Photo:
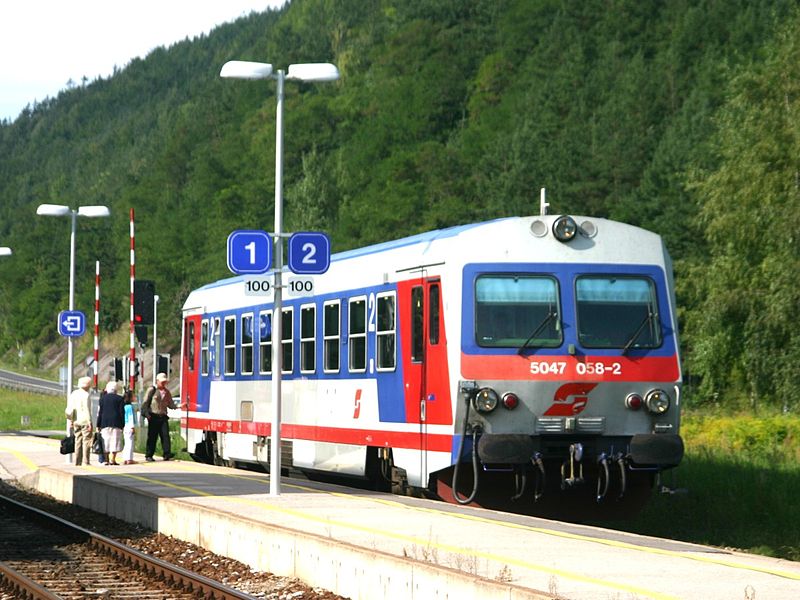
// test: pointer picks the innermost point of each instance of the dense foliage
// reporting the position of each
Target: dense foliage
(681, 117)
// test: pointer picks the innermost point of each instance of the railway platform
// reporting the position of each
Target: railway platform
(370, 545)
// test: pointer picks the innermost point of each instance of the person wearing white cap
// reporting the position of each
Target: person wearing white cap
(156, 402)
(79, 412)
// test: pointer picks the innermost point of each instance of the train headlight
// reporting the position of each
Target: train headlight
(657, 401)
(564, 228)
(486, 400)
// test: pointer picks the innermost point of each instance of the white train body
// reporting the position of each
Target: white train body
(498, 336)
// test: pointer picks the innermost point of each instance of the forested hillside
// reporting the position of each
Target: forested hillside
(682, 117)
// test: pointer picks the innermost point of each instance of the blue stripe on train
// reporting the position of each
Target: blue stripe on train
(391, 406)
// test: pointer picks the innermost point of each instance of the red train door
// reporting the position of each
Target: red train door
(428, 393)
(190, 355)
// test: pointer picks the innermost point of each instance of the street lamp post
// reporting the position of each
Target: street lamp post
(155, 338)
(308, 72)
(58, 210)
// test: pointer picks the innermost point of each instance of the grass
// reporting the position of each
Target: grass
(741, 476)
(741, 473)
(40, 411)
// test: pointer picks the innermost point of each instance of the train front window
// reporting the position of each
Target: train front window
(515, 311)
(617, 312)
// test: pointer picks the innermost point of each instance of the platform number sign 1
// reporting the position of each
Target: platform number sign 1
(249, 252)
(309, 253)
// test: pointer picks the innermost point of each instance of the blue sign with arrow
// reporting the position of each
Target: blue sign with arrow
(71, 323)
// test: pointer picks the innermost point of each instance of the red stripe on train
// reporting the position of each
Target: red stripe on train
(333, 435)
(567, 368)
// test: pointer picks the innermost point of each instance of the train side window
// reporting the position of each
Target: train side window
(204, 340)
(287, 340)
(417, 323)
(216, 338)
(190, 345)
(230, 345)
(246, 346)
(265, 342)
(386, 333)
(332, 327)
(357, 334)
(433, 325)
(308, 343)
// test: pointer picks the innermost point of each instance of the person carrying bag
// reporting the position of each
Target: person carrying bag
(79, 416)
(154, 408)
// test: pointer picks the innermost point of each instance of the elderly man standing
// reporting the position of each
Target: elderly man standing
(79, 412)
(156, 402)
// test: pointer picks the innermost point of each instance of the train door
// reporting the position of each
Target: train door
(429, 372)
(190, 354)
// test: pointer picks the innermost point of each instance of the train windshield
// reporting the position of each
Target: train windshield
(517, 311)
(617, 312)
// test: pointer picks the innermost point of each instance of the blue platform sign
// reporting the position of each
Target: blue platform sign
(71, 323)
(249, 252)
(309, 253)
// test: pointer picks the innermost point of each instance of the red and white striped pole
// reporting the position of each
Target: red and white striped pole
(96, 320)
(132, 379)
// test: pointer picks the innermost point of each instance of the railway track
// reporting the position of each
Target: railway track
(44, 556)
(230, 572)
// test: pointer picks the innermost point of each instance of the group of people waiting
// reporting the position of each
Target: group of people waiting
(116, 421)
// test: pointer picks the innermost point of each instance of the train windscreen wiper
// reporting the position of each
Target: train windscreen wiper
(648, 318)
(548, 317)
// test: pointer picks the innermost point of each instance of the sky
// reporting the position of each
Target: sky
(46, 43)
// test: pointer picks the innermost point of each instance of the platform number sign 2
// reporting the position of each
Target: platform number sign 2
(249, 252)
(309, 253)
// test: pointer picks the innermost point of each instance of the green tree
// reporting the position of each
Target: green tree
(748, 344)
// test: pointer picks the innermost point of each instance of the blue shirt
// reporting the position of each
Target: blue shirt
(130, 420)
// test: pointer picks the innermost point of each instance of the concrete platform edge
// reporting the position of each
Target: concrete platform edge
(345, 569)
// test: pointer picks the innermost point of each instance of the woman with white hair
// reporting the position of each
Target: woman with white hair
(111, 420)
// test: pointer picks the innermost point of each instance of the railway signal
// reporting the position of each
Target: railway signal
(143, 299)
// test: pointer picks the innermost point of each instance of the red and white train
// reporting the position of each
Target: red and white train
(528, 364)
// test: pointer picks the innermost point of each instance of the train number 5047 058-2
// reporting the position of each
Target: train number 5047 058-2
(580, 368)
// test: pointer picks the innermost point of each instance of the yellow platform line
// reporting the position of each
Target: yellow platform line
(20, 457)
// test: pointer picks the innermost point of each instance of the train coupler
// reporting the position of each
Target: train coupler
(575, 476)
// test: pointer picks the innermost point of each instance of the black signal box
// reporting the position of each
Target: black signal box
(144, 292)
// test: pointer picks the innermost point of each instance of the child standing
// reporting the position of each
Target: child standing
(129, 430)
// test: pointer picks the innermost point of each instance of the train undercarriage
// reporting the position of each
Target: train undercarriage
(565, 479)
